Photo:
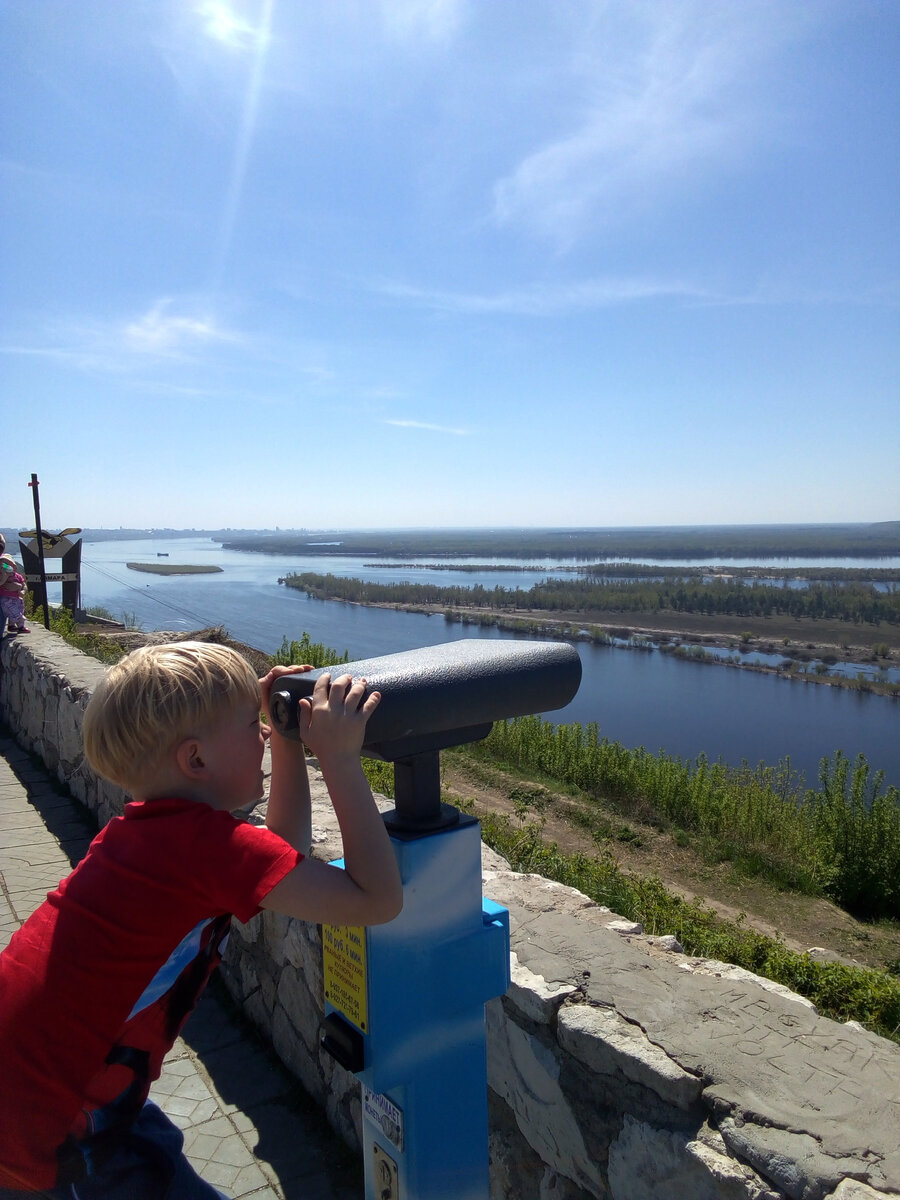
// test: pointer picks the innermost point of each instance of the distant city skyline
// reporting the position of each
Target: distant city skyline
(439, 263)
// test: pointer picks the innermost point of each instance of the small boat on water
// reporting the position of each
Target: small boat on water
(162, 554)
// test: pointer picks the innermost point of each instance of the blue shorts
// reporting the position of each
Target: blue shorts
(150, 1166)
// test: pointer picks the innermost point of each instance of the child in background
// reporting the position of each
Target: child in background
(12, 594)
(96, 985)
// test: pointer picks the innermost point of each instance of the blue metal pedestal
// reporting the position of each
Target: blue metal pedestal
(427, 976)
(405, 1001)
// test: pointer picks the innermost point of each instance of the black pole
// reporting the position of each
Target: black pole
(40, 542)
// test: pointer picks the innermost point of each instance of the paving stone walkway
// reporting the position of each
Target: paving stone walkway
(249, 1127)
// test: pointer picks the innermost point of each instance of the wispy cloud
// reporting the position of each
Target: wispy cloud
(162, 331)
(166, 333)
(550, 299)
(402, 424)
(667, 97)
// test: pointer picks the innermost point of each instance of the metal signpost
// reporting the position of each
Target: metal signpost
(405, 1001)
(35, 546)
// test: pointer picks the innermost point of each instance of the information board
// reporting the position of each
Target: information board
(344, 963)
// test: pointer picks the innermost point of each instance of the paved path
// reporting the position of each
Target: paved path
(249, 1127)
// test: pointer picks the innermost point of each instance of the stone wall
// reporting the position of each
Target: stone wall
(618, 1066)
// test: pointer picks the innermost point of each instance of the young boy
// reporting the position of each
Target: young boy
(96, 985)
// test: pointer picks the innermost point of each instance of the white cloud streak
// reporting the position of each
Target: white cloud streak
(655, 117)
(161, 335)
(402, 424)
(164, 333)
(551, 299)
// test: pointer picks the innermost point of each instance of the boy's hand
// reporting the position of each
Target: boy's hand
(265, 684)
(333, 720)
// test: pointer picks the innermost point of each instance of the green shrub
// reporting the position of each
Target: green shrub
(317, 654)
(842, 841)
(380, 775)
(856, 830)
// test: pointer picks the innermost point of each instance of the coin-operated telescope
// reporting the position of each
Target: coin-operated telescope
(405, 1001)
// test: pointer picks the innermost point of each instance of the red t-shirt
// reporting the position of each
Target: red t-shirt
(96, 985)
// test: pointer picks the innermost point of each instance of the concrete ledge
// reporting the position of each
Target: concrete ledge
(617, 1066)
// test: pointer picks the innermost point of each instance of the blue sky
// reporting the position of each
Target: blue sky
(360, 263)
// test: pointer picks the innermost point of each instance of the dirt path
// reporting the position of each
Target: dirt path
(802, 922)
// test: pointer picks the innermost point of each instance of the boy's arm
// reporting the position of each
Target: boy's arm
(289, 811)
(368, 891)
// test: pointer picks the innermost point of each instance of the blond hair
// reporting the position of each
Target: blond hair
(157, 696)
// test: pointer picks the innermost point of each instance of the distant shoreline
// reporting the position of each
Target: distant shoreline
(674, 633)
(591, 545)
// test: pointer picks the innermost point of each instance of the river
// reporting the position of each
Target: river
(636, 697)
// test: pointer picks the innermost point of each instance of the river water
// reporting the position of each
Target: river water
(639, 698)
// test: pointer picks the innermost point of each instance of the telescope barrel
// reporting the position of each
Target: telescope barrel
(443, 695)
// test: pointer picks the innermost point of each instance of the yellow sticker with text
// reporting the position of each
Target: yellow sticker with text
(344, 963)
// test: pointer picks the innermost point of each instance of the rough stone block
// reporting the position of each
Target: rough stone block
(794, 1160)
(274, 930)
(853, 1189)
(606, 1043)
(268, 987)
(626, 928)
(71, 744)
(728, 971)
(296, 1001)
(249, 977)
(343, 1106)
(531, 996)
(296, 1055)
(524, 1072)
(303, 949)
(255, 1008)
(646, 1163)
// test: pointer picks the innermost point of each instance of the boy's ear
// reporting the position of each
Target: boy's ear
(189, 758)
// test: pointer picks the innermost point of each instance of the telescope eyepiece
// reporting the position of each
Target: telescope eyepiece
(283, 709)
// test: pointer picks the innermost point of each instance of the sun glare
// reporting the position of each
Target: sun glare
(223, 25)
